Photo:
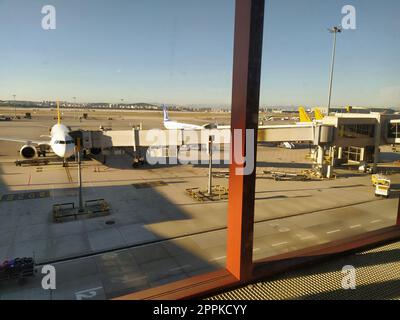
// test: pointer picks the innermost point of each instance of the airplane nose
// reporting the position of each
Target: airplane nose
(66, 152)
(69, 151)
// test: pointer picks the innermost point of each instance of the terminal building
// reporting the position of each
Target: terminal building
(357, 137)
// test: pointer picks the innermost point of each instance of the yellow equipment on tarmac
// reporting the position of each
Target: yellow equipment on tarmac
(381, 184)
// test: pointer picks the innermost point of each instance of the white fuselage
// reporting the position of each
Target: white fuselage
(173, 125)
(61, 142)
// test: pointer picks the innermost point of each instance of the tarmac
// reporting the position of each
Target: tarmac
(155, 233)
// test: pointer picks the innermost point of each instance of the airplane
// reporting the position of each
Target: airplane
(318, 114)
(61, 143)
(173, 125)
(305, 118)
(303, 115)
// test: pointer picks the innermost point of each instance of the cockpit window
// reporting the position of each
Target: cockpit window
(63, 142)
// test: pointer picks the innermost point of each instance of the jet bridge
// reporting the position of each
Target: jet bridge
(338, 135)
(165, 143)
(136, 138)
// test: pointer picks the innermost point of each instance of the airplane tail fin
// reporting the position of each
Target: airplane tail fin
(303, 115)
(318, 115)
(165, 113)
(58, 113)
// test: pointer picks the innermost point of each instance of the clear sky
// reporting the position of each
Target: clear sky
(180, 51)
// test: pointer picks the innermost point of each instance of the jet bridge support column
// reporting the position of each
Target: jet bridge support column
(323, 137)
(377, 142)
(320, 156)
(210, 160)
(340, 153)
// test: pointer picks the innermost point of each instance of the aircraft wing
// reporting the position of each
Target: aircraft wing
(27, 141)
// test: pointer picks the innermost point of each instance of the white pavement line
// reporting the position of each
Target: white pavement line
(306, 238)
(355, 226)
(87, 294)
(333, 231)
(218, 258)
(376, 221)
(279, 244)
(179, 268)
(97, 288)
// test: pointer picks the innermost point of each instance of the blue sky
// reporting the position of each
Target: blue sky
(180, 51)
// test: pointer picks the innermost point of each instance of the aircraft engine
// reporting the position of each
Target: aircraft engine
(28, 151)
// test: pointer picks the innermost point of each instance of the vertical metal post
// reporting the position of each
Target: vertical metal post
(377, 142)
(331, 75)
(334, 30)
(15, 107)
(78, 149)
(74, 108)
(249, 23)
(210, 159)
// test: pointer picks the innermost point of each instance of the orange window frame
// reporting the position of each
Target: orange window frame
(240, 268)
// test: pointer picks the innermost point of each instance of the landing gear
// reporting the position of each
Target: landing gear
(65, 163)
(137, 162)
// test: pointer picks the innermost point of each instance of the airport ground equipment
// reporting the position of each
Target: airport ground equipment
(363, 167)
(221, 174)
(289, 176)
(303, 175)
(32, 162)
(218, 192)
(381, 184)
(382, 188)
(63, 212)
(18, 268)
(5, 118)
(376, 177)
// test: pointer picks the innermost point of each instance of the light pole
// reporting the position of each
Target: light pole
(210, 154)
(333, 30)
(78, 153)
(15, 107)
(74, 107)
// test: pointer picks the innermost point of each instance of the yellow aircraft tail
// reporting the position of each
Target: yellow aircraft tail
(318, 114)
(58, 113)
(303, 115)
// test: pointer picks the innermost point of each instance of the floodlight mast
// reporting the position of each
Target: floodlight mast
(333, 30)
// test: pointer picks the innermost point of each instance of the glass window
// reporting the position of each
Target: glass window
(393, 131)
(356, 130)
